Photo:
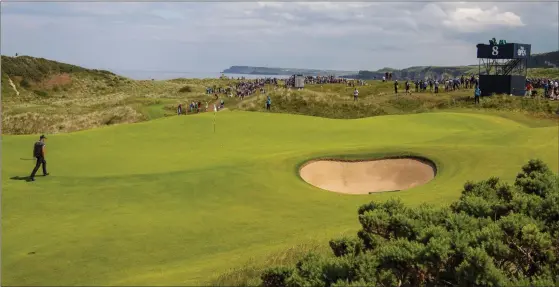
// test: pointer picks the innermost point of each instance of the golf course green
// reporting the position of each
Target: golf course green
(170, 202)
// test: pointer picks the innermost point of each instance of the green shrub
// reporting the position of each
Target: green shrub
(346, 246)
(112, 119)
(308, 272)
(40, 93)
(276, 277)
(25, 84)
(185, 89)
(336, 269)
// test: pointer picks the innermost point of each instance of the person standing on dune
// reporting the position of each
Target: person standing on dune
(477, 94)
(407, 86)
(39, 154)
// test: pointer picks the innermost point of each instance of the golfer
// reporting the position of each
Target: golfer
(39, 154)
(355, 95)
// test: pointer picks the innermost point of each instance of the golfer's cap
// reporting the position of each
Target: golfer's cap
(43, 137)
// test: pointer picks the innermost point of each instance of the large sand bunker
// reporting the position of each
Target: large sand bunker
(363, 177)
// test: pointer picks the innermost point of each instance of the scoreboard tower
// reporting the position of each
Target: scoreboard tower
(503, 68)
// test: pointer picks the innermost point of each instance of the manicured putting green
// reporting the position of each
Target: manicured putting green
(168, 202)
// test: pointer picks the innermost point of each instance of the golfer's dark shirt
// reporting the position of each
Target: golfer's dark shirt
(38, 149)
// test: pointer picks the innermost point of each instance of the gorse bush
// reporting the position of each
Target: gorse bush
(185, 89)
(276, 276)
(25, 84)
(345, 246)
(496, 234)
(40, 93)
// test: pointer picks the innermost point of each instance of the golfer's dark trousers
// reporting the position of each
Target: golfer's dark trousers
(40, 161)
(476, 99)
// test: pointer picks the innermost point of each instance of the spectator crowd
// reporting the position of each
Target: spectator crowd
(550, 87)
(320, 80)
(246, 87)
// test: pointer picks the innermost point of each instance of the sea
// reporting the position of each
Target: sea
(168, 75)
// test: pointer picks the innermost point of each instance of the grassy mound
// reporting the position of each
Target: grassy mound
(336, 101)
(52, 97)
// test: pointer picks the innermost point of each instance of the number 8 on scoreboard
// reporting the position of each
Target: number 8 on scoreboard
(495, 51)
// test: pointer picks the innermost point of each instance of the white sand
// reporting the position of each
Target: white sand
(362, 177)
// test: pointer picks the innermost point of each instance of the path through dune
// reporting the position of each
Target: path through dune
(13, 86)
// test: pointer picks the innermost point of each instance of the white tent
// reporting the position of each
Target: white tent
(299, 81)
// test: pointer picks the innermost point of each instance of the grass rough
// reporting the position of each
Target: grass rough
(51, 92)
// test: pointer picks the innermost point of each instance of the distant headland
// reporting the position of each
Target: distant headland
(248, 70)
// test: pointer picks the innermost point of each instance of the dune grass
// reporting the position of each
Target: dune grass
(86, 99)
(377, 98)
(544, 73)
(168, 202)
(55, 97)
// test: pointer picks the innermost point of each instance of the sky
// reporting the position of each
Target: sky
(205, 37)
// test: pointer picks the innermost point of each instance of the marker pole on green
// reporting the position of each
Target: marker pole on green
(215, 111)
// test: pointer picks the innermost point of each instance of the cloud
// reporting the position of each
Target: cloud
(210, 36)
(271, 4)
(459, 18)
(476, 19)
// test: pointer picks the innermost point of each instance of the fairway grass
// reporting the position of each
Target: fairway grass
(170, 202)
